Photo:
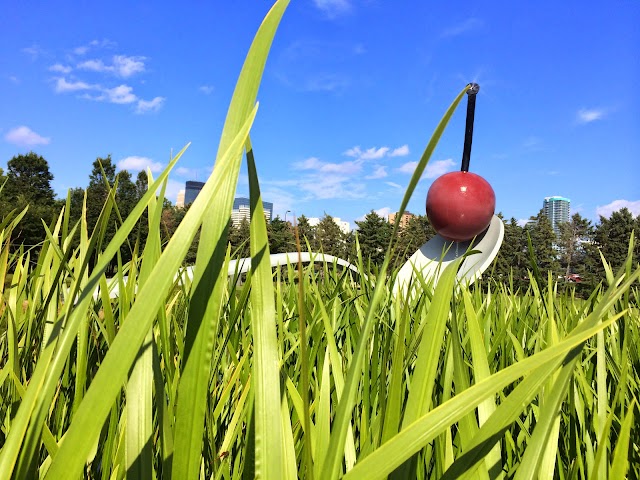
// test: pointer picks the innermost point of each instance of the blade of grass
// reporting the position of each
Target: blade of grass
(209, 279)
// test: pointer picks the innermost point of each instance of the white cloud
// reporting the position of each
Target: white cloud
(135, 164)
(173, 187)
(439, 167)
(434, 168)
(522, 222)
(185, 172)
(586, 115)
(383, 212)
(333, 8)
(402, 151)
(326, 186)
(607, 210)
(379, 172)
(394, 185)
(408, 167)
(145, 106)
(122, 94)
(14, 79)
(314, 163)
(122, 66)
(62, 86)
(58, 67)
(24, 136)
(206, 89)
(467, 25)
(372, 153)
(83, 49)
(326, 82)
(34, 51)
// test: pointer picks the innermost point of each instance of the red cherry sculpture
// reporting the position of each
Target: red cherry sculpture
(460, 205)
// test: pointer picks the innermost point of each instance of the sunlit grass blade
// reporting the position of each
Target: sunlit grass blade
(412, 438)
(333, 461)
(89, 418)
(209, 279)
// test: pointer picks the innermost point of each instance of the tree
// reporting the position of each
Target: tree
(416, 233)
(101, 180)
(306, 233)
(573, 234)
(28, 175)
(281, 239)
(239, 238)
(374, 234)
(329, 237)
(543, 239)
(612, 237)
(28, 184)
(512, 260)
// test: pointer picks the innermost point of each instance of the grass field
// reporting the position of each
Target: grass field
(303, 372)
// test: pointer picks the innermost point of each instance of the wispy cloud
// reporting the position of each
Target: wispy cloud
(135, 163)
(383, 212)
(402, 151)
(588, 115)
(121, 94)
(372, 153)
(438, 167)
(94, 44)
(313, 163)
(434, 168)
(324, 187)
(379, 172)
(606, 210)
(58, 67)
(206, 89)
(34, 51)
(121, 65)
(185, 172)
(64, 86)
(333, 8)
(394, 185)
(326, 82)
(461, 28)
(148, 106)
(25, 137)
(376, 153)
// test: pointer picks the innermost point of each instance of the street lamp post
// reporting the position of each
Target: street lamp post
(285, 215)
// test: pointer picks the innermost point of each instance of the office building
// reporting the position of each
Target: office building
(191, 191)
(242, 210)
(556, 209)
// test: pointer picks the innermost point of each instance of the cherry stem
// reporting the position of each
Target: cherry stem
(473, 89)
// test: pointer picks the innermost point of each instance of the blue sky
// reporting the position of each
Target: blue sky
(350, 96)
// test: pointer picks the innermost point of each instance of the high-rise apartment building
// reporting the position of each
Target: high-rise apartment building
(180, 199)
(556, 209)
(242, 210)
(192, 189)
(404, 219)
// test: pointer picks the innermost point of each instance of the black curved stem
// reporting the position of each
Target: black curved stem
(473, 90)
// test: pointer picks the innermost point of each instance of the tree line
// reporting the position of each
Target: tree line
(575, 254)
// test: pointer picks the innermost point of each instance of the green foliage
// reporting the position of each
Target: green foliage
(374, 234)
(303, 373)
(281, 237)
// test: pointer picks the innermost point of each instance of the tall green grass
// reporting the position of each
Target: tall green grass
(299, 372)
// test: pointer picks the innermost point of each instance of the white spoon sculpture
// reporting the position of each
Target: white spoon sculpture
(458, 215)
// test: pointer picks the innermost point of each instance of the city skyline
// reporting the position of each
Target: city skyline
(350, 95)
